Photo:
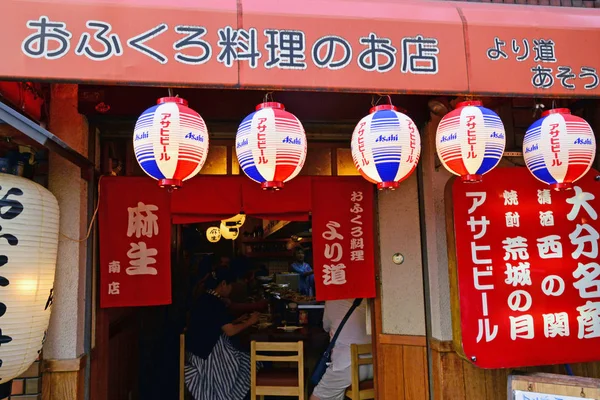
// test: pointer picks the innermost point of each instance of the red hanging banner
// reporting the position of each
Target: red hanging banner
(135, 243)
(343, 246)
(528, 278)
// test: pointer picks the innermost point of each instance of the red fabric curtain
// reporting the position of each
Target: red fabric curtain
(292, 203)
(207, 198)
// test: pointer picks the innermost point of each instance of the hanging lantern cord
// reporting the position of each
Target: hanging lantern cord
(92, 221)
(538, 108)
(170, 92)
(267, 95)
(375, 103)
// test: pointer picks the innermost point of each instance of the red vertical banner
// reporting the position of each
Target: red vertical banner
(527, 270)
(135, 243)
(343, 245)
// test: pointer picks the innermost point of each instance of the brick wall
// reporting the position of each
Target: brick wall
(29, 385)
(554, 3)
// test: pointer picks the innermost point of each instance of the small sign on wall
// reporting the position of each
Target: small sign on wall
(521, 395)
(543, 386)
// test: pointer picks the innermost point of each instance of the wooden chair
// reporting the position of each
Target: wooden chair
(365, 389)
(278, 381)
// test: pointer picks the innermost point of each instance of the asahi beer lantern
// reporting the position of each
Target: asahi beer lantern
(170, 142)
(271, 145)
(559, 148)
(470, 140)
(28, 248)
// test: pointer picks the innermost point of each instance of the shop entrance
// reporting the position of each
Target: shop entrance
(137, 350)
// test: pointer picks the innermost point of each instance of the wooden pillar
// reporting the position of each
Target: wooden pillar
(64, 355)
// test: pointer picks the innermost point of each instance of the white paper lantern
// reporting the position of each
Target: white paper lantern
(236, 220)
(170, 142)
(213, 234)
(28, 247)
(386, 146)
(229, 232)
(470, 140)
(271, 145)
(559, 148)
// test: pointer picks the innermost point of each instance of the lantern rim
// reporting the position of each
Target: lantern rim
(270, 104)
(466, 103)
(170, 183)
(471, 178)
(561, 186)
(383, 107)
(272, 185)
(171, 99)
(391, 185)
(556, 111)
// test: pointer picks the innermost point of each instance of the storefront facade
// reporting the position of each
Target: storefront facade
(450, 49)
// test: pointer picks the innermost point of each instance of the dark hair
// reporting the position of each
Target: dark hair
(220, 275)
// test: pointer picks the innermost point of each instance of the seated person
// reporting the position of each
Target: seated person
(338, 376)
(215, 369)
(306, 285)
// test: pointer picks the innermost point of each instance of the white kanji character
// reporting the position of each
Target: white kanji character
(142, 220)
(484, 328)
(356, 197)
(357, 244)
(550, 247)
(334, 274)
(141, 258)
(589, 320)
(512, 219)
(521, 327)
(478, 200)
(511, 198)
(548, 285)
(588, 285)
(358, 255)
(556, 324)
(544, 196)
(515, 248)
(333, 252)
(331, 233)
(483, 223)
(114, 288)
(518, 274)
(516, 299)
(546, 218)
(114, 267)
(356, 209)
(477, 273)
(475, 249)
(580, 199)
(356, 231)
(580, 240)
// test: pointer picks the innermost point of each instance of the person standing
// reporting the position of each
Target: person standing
(338, 376)
(306, 285)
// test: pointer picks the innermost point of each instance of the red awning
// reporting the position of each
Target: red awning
(375, 46)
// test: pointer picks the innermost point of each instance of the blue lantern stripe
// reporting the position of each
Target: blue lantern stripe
(544, 175)
(152, 169)
(387, 159)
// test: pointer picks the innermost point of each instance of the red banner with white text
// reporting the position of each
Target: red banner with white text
(528, 272)
(343, 245)
(135, 243)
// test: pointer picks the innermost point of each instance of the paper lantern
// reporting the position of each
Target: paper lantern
(470, 140)
(213, 234)
(28, 247)
(271, 145)
(236, 221)
(386, 146)
(170, 142)
(229, 232)
(559, 148)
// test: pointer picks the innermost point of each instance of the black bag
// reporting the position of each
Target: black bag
(326, 357)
